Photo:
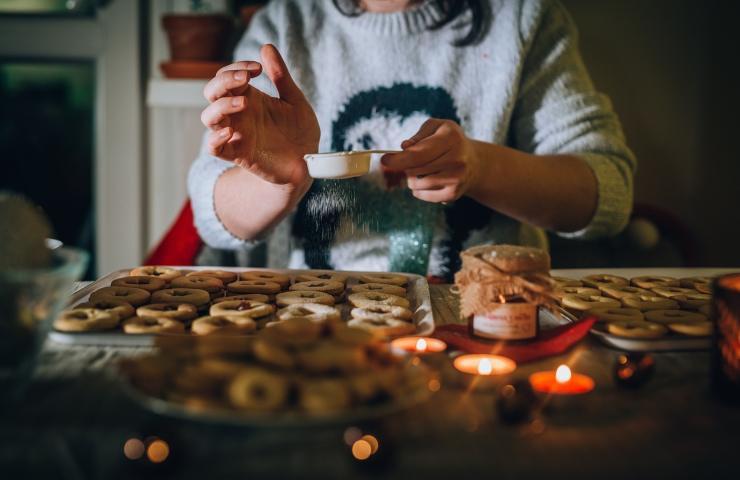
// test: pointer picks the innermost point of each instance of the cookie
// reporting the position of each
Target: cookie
(265, 276)
(303, 296)
(387, 278)
(163, 273)
(182, 312)
(241, 308)
(222, 325)
(637, 329)
(363, 300)
(378, 287)
(133, 296)
(316, 312)
(150, 284)
(152, 325)
(85, 320)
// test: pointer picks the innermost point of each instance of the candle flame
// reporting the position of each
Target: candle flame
(421, 345)
(485, 367)
(501, 299)
(562, 374)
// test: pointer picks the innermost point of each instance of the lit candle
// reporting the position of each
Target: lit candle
(482, 371)
(561, 382)
(418, 345)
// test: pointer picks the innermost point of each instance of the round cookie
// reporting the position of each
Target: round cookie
(152, 325)
(222, 325)
(164, 273)
(665, 317)
(622, 291)
(327, 286)
(249, 297)
(690, 282)
(254, 286)
(389, 278)
(703, 287)
(225, 276)
(241, 308)
(258, 389)
(382, 312)
(617, 314)
(694, 329)
(212, 285)
(322, 275)
(671, 292)
(562, 282)
(379, 287)
(293, 297)
(292, 332)
(329, 356)
(273, 353)
(652, 281)
(265, 276)
(133, 296)
(649, 302)
(602, 280)
(321, 396)
(637, 329)
(85, 320)
(512, 259)
(363, 300)
(182, 312)
(150, 284)
(192, 296)
(562, 292)
(386, 327)
(316, 312)
(122, 309)
(583, 303)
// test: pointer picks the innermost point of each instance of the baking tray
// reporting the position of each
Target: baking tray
(417, 293)
(669, 343)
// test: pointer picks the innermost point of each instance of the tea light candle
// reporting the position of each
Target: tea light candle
(483, 371)
(561, 382)
(419, 345)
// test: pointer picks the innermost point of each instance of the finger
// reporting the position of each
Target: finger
(418, 155)
(435, 181)
(280, 76)
(215, 115)
(254, 68)
(230, 82)
(217, 140)
(427, 129)
(443, 195)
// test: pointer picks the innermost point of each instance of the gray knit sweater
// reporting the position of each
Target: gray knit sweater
(373, 79)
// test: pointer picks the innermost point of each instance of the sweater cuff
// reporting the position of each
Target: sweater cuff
(202, 185)
(614, 204)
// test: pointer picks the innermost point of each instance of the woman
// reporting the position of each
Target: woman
(489, 101)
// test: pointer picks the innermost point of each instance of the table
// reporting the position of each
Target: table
(74, 421)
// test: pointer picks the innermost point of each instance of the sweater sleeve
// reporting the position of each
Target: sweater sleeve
(558, 111)
(206, 169)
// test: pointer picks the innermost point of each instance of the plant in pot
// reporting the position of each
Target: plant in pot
(198, 38)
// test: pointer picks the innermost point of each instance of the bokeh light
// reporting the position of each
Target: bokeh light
(351, 435)
(373, 442)
(434, 385)
(134, 449)
(362, 450)
(158, 451)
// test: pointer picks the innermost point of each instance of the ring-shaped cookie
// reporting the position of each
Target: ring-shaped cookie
(694, 329)
(378, 287)
(651, 281)
(241, 308)
(582, 303)
(122, 309)
(703, 287)
(387, 327)
(621, 291)
(249, 297)
(689, 282)
(562, 282)
(561, 292)
(223, 325)
(637, 329)
(363, 300)
(182, 312)
(150, 284)
(327, 286)
(332, 357)
(670, 292)
(381, 312)
(293, 297)
(693, 301)
(265, 276)
(254, 286)
(164, 273)
(389, 278)
(649, 302)
(603, 279)
(322, 275)
(212, 285)
(225, 276)
(296, 331)
(192, 296)
(258, 390)
(85, 320)
(272, 353)
(152, 325)
(664, 317)
(316, 312)
(134, 296)
(617, 314)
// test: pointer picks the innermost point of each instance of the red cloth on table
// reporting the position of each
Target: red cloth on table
(549, 343)
(180, 245)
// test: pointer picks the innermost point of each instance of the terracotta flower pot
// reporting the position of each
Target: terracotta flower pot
(198, 37)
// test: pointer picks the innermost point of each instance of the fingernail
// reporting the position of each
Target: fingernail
(236, 102)
(253, 67)
(224, 134)
(240, 76)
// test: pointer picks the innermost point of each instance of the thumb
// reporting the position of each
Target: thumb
(278, 73)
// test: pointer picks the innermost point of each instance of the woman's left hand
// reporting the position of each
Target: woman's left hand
(439, 161)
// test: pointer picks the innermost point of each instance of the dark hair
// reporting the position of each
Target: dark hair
(480, 15)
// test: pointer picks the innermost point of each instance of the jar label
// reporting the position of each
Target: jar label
(507, 321)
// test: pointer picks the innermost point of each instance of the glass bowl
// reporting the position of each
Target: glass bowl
(29, 301)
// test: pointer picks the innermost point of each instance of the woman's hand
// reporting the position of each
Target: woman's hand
(439, 161)
(266, 136)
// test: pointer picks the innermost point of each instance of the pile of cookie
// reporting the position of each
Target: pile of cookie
(641, 307)
(296, 366)
(159, 300)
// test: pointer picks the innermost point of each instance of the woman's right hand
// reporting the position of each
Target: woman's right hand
(266, 136)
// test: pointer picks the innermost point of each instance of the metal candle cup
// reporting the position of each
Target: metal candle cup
(431, 350)
(565, 391)
(483, 371)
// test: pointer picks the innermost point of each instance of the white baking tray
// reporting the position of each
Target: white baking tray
(669, 343)
(417, 294)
